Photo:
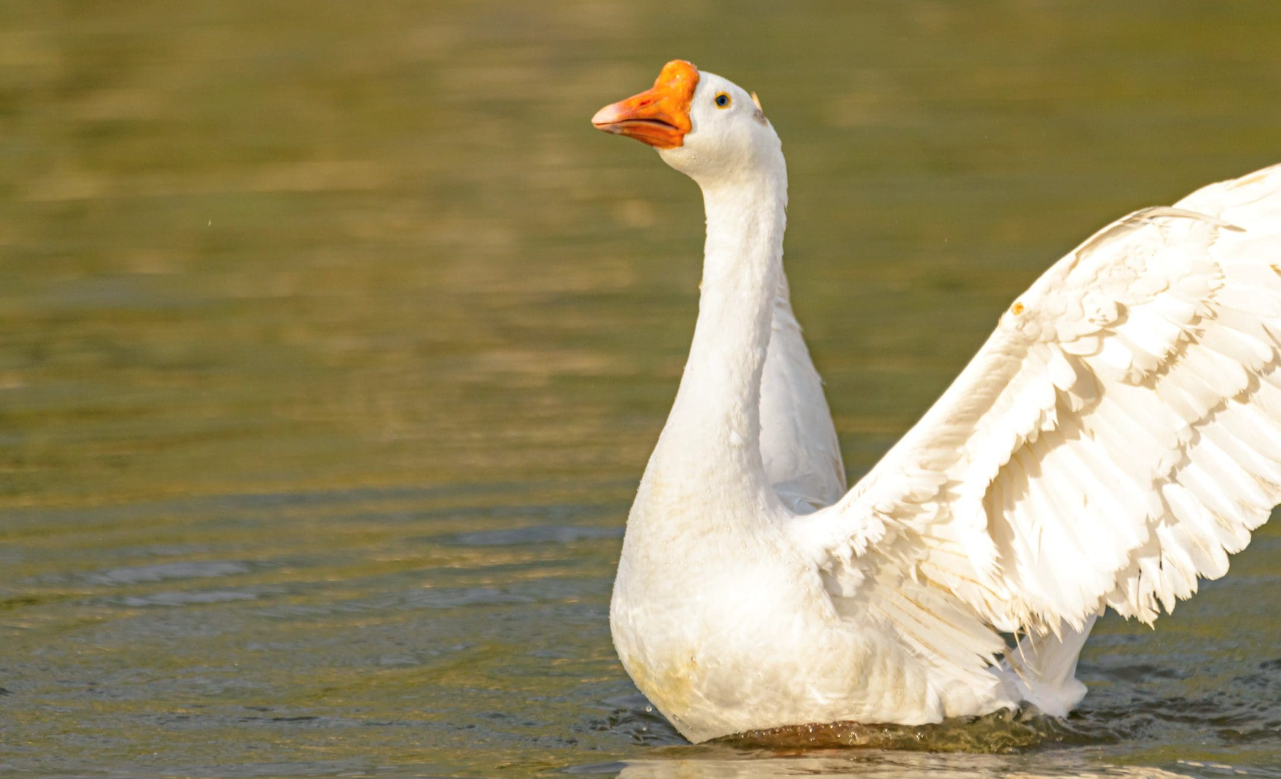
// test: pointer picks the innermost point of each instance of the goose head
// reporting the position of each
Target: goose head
(703, 125)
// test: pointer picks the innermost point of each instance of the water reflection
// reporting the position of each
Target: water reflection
(880, 766)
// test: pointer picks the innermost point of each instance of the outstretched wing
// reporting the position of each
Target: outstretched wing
(798, 442)
(1113, 441)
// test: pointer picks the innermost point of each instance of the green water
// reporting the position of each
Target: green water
(333, 342)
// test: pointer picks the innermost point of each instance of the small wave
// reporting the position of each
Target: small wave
(160, 572)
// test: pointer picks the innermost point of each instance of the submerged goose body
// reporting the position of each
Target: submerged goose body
(1114, 440)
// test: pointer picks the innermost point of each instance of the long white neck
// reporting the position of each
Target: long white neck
(712, 438)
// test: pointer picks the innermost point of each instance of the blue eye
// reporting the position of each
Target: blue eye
(722, 100)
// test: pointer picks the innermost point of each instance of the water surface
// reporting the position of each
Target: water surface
(333, 342)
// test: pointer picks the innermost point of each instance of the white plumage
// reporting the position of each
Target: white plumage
(1117, 437)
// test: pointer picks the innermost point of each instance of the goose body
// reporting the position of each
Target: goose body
(1114, 440)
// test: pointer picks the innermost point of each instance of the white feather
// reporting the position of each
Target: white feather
(1187, 409)
(1116, 438)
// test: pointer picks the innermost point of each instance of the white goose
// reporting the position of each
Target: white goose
(1113, 441)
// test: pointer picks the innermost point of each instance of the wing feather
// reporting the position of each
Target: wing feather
(1116, 438)
(799, 449)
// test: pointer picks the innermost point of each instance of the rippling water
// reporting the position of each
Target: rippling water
(333, 342)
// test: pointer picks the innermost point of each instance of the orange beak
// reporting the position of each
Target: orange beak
(658, 117)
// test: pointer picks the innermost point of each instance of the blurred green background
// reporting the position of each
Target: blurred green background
(333, 341)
